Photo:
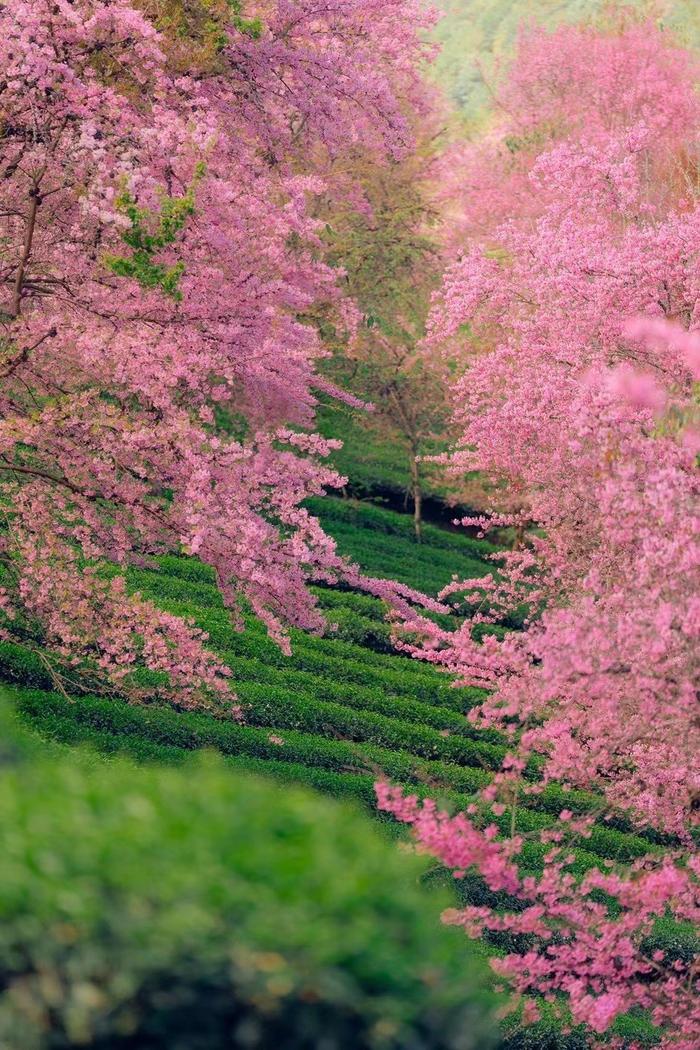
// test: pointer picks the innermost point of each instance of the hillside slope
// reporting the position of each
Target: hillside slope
(475, 34)
(338, 713)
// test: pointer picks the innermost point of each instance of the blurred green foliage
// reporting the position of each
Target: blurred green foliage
(196, 909)
(476, 37)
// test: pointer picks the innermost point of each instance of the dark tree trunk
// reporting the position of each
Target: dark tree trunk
(417, 494)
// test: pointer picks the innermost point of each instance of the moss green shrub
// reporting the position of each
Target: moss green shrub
(198, 909)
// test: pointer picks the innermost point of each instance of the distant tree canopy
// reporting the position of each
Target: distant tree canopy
(386, 242)
(477, 37)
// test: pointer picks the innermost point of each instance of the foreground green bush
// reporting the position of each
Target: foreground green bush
(195, 909)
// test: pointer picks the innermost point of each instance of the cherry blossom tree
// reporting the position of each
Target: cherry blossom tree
(158, 254)
(575, 300)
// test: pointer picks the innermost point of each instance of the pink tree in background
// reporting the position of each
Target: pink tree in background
(157, 255)
(576, 297)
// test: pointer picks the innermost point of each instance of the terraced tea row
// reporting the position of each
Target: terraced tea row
(81, 717)
(341, 711)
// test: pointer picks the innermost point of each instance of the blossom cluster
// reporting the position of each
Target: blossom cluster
(573, 298)
(159, 256)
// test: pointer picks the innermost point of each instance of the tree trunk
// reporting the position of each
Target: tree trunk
(417, 495)
(34, 202)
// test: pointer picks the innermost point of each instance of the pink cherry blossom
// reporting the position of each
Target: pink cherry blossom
(159, 258)
(572, 300)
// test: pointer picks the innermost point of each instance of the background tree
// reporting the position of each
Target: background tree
(385, 242)
(476, 39)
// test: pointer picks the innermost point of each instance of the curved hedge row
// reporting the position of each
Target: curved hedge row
(345, 707)
(134, 915)
(271, 742)
(335, 660)
(366, 516)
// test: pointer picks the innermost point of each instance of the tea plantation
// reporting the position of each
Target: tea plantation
(341, 711)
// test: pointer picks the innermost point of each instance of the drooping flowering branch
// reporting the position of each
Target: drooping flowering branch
(587, 941)
(157, 256)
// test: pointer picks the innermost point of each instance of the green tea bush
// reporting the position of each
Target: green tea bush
(350, 626)
(308, 656)
(196, 909)
(189, 731)
(421, 566)
(280, 707)
(140, 727)
(372, 699)
(158, 585)
(378, 519)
